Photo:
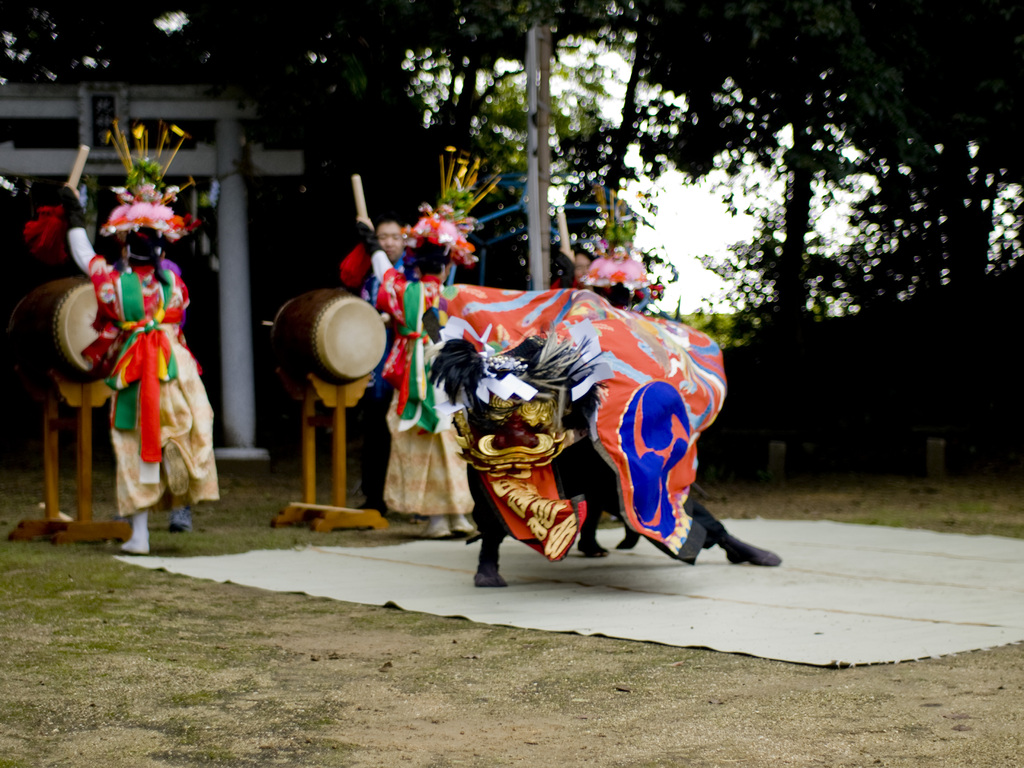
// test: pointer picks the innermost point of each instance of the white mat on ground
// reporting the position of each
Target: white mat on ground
(845, 594)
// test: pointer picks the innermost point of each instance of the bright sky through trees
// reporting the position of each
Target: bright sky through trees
(691, 221)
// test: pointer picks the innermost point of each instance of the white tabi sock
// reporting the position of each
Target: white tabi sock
(138, 544)
(437, 528)
(459, 524)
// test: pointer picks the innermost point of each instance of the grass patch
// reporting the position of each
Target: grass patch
(193, 698)
(105, 663)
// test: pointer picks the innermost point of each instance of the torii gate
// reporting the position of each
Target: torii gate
(94, 105)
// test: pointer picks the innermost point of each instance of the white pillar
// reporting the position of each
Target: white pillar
(238, 395)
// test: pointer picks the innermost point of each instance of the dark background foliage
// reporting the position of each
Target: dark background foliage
(854, 350)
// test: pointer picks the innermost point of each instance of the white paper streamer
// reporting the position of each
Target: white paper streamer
(506, 387)
(585, 339)
(457, 328)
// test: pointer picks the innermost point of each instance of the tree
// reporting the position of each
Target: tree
(820, 92)
(869, 93)
(945, 216)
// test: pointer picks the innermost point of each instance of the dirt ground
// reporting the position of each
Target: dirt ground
(107, 664)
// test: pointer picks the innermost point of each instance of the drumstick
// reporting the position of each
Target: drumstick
(357, 193)
(76, 170)
(563, 233)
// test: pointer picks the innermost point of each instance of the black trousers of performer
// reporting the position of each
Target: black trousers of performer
(583, 472)
(376, 450)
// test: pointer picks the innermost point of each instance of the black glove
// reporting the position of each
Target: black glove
(73, 208)
(563, 268)
(368, 238)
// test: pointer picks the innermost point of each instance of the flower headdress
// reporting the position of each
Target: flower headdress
(449, 224)
(145, 197)
(618, 261)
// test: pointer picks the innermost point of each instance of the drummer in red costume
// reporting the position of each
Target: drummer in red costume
(161, 419)
(425, 475)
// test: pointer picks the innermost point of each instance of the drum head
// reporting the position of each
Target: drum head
(51, 326)
(73, 325)
(350, 338)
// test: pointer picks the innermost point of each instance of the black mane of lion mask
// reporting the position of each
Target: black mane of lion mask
(551, 365)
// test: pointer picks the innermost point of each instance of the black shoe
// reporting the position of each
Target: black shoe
(741, 552)
(592, 549)
(629, 540)
(181, 520)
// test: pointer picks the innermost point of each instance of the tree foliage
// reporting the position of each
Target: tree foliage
(913, 103)
(833, 94)
(909, 108)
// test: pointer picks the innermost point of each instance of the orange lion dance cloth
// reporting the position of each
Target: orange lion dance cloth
(529, 372)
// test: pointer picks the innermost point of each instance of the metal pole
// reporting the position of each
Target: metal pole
(533, 202)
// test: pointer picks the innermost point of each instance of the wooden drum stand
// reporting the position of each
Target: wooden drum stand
(323, 517)
(83, 397)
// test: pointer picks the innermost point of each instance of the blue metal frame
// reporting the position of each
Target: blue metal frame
(518, 182)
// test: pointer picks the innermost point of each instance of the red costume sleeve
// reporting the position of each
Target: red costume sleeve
(184, 292)
(354, 267)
